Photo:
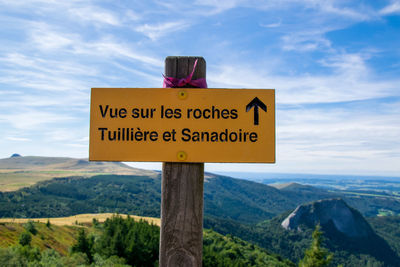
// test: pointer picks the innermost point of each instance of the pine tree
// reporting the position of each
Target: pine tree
(25, 238)
(84, 244)
(316, 256)
(48, 224)
(30, 227)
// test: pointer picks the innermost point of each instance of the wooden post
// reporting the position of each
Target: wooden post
(181, 236)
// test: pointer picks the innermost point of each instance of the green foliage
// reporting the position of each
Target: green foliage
(19, 256)
(126, 242)
(48, 258)
(84, 244)
(388, 228)
(270, 235)
(69, 196)
(224, 197)
(95, 222)
(112, 261)
(316, 256)
(221, 251)
(30, 227)
(135, 241)
(11, 257)
(48, 224)
(25, 238)
(31, 257)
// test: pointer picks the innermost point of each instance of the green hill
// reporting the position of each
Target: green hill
(120, 240)
(224, 197)
(17, 171)
(379, 247)
(232, 206)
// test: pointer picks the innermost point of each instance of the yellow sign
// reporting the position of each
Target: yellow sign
(182, 125)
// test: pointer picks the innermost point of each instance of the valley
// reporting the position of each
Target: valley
(237, 208)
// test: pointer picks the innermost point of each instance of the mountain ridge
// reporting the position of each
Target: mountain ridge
(334, 211)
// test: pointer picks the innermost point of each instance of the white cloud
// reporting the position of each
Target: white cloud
(347, 79)
(76, 137)
(305, 41)
(95, 15)
(18, 139)
(272, 25)
(156, 31)
(110, 48)
(393, 8)
(50, 66)
(219, 5)
(344, 135)
(30, 119)
(46, 38)
(359, 13)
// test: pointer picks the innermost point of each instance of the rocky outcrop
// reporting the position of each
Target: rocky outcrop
(329, 213)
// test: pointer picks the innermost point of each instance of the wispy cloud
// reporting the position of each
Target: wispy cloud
(220, 5)
(272, 25)
(305, 41)
(156, 31)
(349, 79)
(28, 119)
(108, 47)
(44, 38)
(18, 139)
(95, 15)
(392, 8)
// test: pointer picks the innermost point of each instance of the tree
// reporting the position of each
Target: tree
(316, 256)
(25, 239)
(30, 227)
(84, 245)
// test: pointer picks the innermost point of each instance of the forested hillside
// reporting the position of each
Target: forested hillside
(381, 249)
(224, 197)
(119, 242)
(232, 206)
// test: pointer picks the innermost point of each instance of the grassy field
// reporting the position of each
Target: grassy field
(61, 234)
(80, 219)
(59, 238)
(14, 180)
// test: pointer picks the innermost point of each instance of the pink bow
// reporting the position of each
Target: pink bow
(170, 82)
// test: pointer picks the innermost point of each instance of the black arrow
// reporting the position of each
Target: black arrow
(256, 103)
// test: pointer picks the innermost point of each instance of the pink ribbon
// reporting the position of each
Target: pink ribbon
(170, 82)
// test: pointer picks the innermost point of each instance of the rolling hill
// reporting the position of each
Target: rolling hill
(218, 250)
(17, 171)
(249, 210)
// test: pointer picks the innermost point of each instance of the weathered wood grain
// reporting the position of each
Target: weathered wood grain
(181, 237)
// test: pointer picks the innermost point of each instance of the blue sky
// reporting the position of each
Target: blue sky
(335, 66)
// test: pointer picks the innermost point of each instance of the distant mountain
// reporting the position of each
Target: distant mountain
(17, 172)
(332, 214)
(355, 244)
(345, 229)
(34, 163)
